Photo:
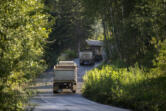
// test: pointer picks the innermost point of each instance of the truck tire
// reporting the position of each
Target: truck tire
(55, 91)
(74, 88)
(92, 63)
(81, 63)
(74, 91)
(55, 88)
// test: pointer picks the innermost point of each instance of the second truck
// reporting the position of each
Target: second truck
(86, 57)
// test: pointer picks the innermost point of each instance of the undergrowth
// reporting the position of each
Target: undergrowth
(134, 88)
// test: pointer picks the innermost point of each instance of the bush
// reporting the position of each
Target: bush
(24, 28)
(68, 55)
(132, 88)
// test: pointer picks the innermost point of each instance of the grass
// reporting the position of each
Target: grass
(132, 88)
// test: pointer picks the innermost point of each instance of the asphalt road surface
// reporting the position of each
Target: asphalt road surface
(66, 101)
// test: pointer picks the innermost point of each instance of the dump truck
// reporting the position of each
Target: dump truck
(86, 57)
(65, 76)
(98, 54)
(97, 47)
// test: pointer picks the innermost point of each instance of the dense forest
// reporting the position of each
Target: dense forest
(71, 29)
(134, 75)
(35, 33)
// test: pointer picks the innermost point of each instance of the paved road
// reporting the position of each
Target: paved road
(66, 101)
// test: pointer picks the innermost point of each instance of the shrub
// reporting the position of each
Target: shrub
(68, 55)
(132, 88)
(24, 28)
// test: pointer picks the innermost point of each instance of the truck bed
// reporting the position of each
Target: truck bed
(64, 75)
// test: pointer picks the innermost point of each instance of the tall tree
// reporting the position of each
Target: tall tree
(71, 29)
(23, 31)
(129, 27)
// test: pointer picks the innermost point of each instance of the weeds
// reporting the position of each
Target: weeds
(133, 88)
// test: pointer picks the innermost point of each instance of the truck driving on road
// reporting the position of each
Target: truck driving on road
(65, 76)
(86, 57)
(97, 48)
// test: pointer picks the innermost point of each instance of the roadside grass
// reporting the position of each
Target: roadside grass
(133, 88)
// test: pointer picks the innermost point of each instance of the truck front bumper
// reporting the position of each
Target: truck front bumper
(64, 85)
(86, 62)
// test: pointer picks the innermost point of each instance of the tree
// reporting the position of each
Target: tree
(23, 31)
(129, 27)
(71, 29)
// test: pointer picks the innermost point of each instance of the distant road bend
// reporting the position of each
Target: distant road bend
(67, 101)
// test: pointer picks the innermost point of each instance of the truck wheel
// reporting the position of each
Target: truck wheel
(92, 63)
(74, 91)
(55, 88)
(74, 88)
(81, 63)
(55, 91)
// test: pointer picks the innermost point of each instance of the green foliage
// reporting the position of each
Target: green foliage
(67, 55)
(70, 54)
(71, 29)
(98, 30)
(23, 31)
(132, 88)
(132, 24)
(134, 33)
(160, 61)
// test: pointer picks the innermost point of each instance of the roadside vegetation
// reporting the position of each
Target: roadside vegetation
(134, 72)
(67, 55)
(132, 87)
(24, 27)
(35, 33)
(70, 30)
(135, 87)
